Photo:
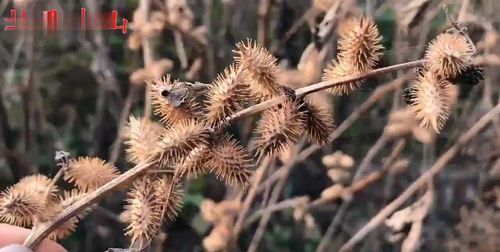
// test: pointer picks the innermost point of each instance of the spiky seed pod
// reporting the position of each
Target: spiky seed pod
(279, 127)
(90, 173)
(448, 55)
(172, 100)
(180, 140)
(144, 212)
(141, 137)
(68, 227)
(19, 207)
(432, 101)
(319, 123)
(37, 184)
(470, 77)
(230, 162)
(227, 95)
(171, 196)
(335, 71)
(194, 164)
(409, 95)
(260, 69)
(360, 45)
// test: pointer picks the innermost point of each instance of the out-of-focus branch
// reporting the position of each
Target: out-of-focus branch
(326, 26)
(337, 219)
(438, 166)
(355, 187)
(181, 52)
(259, 175)
(263, 11)
(104, 76)
(116, 146)
(19, 165)
(276, 193)
(209, 50)
(148, 55)
(7, 133)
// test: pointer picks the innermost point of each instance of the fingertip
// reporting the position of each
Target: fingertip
(14, 235)
(15, 248)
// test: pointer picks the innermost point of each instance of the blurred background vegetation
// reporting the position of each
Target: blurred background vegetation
(69, 91)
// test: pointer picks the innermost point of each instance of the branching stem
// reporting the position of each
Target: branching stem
(44, 230)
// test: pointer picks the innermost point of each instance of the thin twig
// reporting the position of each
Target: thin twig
(438, 166)
(55, 179)
(260, 173)
(115, 147)
(179, 47)
(355, 187)
(209, 50)
(104, 75)
(337, 219)
(263, 11)
(259, 233)
(324, 85)
(288, 203)
(148, 55)
(325, 29)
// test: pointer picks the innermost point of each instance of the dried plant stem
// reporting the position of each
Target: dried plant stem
(259, 233)
(324, 85)
(266, 216)
(263, 12)
(372, 73)
(39, 234)
(209, 54)
(260, 173)
(181, 52)
(148, 56)
(337, 219)
(438, 166)
(54, 180)
(355, 187)
(369, 179)
(115, 147)
(285, 204)
(105, 77)
(326, 26)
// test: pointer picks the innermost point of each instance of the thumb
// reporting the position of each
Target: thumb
(15, 248)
